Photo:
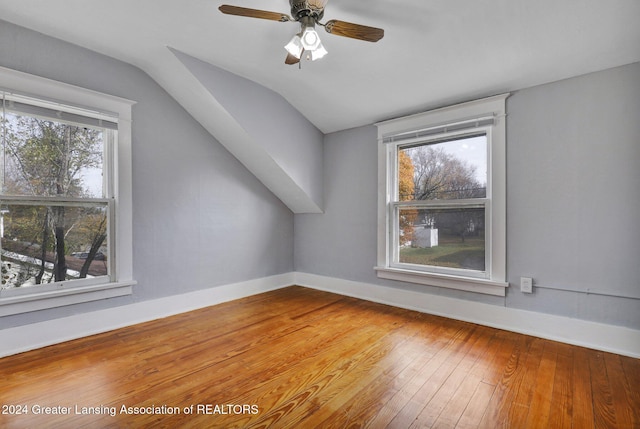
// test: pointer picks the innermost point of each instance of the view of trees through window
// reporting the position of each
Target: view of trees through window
(444, 227)
(53, 215)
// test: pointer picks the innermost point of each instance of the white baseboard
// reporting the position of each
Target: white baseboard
(614, 339)
(36, 335)
(599, 336)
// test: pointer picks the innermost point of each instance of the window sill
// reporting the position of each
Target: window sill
(490, 287)
(59, 298)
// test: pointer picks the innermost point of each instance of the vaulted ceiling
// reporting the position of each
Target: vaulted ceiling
(433, 52)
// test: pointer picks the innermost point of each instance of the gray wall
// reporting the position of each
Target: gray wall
(200, 219)
(573, 195)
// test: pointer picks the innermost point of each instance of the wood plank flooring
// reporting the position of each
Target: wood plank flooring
(301, 358)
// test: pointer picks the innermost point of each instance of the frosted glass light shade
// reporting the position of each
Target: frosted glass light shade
(310, 39)
(318, 53)
(294, 47)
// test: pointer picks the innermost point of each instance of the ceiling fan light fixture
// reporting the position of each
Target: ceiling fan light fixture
(307, 41)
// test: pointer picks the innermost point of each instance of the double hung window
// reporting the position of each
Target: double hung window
(442, 191)
(61, 196)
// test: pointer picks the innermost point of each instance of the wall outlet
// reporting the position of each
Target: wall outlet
(526, 284)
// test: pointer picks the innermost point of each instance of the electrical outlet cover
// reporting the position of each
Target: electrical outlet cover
(526, 284)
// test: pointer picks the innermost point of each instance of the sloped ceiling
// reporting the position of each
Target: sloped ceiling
(248, 120)
(433, 53)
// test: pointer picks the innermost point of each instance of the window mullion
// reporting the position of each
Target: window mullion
(475, 202)
(46, 200)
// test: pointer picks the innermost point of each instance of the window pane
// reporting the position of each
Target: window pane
(48, 158)
(43, 244)
(444, 170)
(451, 238)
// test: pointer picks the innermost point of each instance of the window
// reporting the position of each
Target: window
(441, 215)
(65, 209)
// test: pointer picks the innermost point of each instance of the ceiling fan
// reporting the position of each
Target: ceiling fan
(308, 13)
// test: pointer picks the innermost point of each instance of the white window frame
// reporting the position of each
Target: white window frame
(480, 116)
(120, 282)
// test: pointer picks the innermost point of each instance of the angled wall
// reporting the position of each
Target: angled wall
(261, 129)
(275, 126)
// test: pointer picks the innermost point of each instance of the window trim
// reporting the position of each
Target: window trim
(429, 126)
(12, 81)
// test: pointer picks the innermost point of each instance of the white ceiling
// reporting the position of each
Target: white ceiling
(434, 52)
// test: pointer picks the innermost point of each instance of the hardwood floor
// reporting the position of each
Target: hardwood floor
(301, 358)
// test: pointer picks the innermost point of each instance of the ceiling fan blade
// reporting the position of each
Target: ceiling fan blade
(291, 60)
(254, 13)
(355, 31)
